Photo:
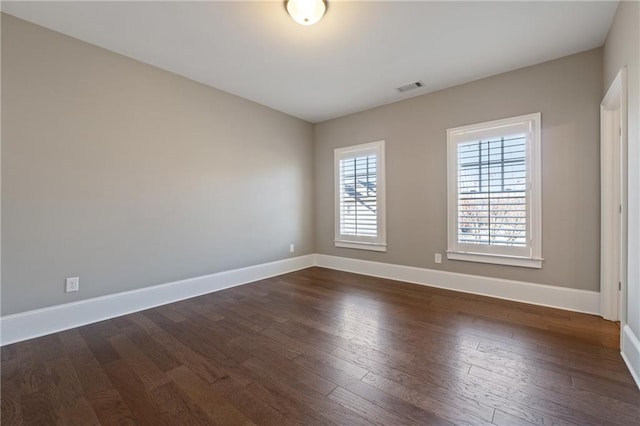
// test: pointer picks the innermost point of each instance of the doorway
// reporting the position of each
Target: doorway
(613, 253)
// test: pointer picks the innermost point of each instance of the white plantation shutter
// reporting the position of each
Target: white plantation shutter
(492, 198)
(494, 192)
(360, 196)
(358, 201)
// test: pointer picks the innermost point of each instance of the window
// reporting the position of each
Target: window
(494, 192)
(359, 197)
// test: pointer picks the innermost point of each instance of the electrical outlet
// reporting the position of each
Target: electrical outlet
(292, 248)
(438, 258)
(73, 284)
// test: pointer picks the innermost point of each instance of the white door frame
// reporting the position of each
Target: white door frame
(613, 201)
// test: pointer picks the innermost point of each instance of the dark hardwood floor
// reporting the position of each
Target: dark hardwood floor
(326, 347)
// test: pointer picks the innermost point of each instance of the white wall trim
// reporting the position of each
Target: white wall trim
(631, 353)
(529, 256)
(519, 291)
(27, 325)
(613, 203)
(361, 242)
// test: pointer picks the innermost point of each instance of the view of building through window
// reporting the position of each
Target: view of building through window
(492, 204)
(358, 206)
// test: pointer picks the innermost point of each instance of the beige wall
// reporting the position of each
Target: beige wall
(566, 91)
(621, 49)
(129, 176)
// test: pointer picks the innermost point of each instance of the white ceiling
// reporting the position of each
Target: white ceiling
(352, 60)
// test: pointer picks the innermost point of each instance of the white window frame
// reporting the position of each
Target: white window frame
(529, 256)
(378, 243)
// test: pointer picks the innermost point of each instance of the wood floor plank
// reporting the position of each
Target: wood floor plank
(309, 350)
(449, 383)
(89, 372)
(73, 341)
(446, 388)
(339, 334)
(11, 408)
(243, 317)
(136, 396)
(208, 371)
(604, 368)
(249, 404)
(190, 338)
(79, 413)
(366, 409)
(291, 409)
(605, 386)
(37, 409)
(452, 413)
(391, 403)
(299, 339)
(110, 408)
(181, 409)
(49, 347)
(160, 357)
(287, 366)
(323, 406)
(257, 338)
(600, 407)
(32, 371)
(206, 311)
(67, 393)
(98, 344)
(533, 376)
(150, 375)
(8, 353)
(209, 400)
(324, 347)
(500, 418)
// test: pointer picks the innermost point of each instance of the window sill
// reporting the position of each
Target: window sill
(525, 262)
(361, 245)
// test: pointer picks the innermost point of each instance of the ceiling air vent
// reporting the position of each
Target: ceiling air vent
(410, 86)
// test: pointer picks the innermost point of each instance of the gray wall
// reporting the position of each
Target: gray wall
(566, 91)
(621, 49)
(130, 176)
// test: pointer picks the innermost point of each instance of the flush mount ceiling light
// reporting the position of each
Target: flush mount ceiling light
(306, 12)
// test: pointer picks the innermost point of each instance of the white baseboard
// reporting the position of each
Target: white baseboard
(39, 322)
(27, 325)
(631, 352)
(519, 291)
